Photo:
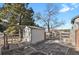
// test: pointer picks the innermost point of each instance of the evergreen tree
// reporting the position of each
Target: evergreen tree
(17, 14)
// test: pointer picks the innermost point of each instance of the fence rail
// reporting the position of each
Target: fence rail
(11, 39)
(1, 39)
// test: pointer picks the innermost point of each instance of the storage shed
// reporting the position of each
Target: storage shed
(33, 34)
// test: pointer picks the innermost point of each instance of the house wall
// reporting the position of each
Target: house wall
(37, 35)
(74, 32)
(76, 23)
(77, 39)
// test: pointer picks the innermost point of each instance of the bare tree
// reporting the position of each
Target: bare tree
(49, 18)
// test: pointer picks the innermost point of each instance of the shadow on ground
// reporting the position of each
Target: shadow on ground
(47, 47)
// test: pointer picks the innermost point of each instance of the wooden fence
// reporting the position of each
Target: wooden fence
(9, 39)
(1, 39)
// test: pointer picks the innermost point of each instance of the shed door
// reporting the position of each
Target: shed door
(77, 38)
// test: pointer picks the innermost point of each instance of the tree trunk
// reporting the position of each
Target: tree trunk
(20, 33)
(20, 29)
(49, 23)
(48, 28)
(6, 46)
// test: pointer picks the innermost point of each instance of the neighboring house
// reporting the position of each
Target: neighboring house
(33, 34)
(75, 32)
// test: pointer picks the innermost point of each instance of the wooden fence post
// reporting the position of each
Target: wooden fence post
(4, 41)
(6, 46)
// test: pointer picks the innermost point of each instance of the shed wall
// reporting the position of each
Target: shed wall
(37, 35)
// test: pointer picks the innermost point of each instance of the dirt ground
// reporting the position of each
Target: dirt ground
(47, 47)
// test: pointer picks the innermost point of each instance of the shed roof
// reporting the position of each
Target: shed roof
(34, 27)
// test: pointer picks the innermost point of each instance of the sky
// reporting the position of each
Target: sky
(67, 11)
